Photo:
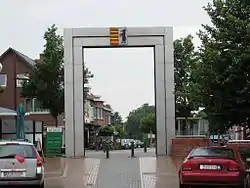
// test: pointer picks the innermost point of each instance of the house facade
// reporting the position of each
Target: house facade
(16, 69)
(97, 115)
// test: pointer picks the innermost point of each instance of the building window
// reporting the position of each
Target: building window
(95, 112)
(3, 80)
(20, 79)
(99, 113)
(109, 119)
(36, 106)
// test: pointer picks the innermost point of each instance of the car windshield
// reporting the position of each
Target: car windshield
(213, 152)
(26, 151)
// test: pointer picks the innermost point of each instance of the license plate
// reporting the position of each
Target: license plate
(13, 174)
(210, 167)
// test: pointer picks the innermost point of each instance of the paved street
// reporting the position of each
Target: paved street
(119, 171)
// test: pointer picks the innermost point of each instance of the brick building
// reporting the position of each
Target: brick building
(16, 68)
(97, 114)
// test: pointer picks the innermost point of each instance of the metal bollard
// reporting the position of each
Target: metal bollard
(132, 149)
(107, 150)
(145, 146)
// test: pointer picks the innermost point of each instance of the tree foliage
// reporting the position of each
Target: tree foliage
(87, 74)
(119, 129)
(46, 80)
(47, 77)
(148, 123)
(185, 60)
(116, 119)
(132, 125)
(224, 66)
(107, 129)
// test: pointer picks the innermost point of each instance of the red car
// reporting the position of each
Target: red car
(214, 166)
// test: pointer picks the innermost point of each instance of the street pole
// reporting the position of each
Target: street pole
(84, 96)
(132, 149)
(15, 82)
(85, 92)
(15, 93)
(84, 121)
(107, 150)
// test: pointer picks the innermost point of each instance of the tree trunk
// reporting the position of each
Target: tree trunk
(56, 121)
(219, 140)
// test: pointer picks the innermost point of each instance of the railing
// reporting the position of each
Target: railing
(191, 132)
(35, 107)
(39, 110)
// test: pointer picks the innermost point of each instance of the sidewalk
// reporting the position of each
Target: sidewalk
(143, 171)
(54, 167)
(119, 171)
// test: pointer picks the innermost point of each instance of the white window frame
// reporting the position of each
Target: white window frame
(101, 113)
(109, 119)
(95, 112)
(19, 83)
(20, 77)
(5, 84)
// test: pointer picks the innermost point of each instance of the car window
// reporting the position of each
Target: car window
(26, 151)
(213, 152)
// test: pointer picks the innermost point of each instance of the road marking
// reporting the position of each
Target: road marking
(65, 171)
(59, 171)
(147, 172)
(91, 171)
(63, 174)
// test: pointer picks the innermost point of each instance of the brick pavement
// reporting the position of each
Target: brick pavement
(144, 171)
(119, 171)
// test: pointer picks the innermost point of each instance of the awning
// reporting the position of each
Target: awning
(7, 112)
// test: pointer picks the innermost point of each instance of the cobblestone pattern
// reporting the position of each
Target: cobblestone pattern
(158, 172)
(120, 171)
(91, 171)
(148, 171)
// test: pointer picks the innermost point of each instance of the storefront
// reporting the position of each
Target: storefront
(33, 129)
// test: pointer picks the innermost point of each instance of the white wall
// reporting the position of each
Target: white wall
(89, 113)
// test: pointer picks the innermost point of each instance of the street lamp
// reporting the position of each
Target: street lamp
(85, 91)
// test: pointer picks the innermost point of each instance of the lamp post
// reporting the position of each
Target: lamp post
(86, 90)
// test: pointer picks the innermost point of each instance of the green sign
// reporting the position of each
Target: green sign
(53, 141)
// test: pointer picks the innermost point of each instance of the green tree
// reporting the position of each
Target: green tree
(87, 75)
(119, 129)
(132, 125)
(116, 119)
(107, 129)
(185, 60)
(148, 123)
(224, 67)
(46, 80)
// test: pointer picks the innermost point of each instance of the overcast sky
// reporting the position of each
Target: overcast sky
(123, 77)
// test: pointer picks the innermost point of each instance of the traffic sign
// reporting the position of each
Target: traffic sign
(54, 129)
(118, 36)
(53, 141)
